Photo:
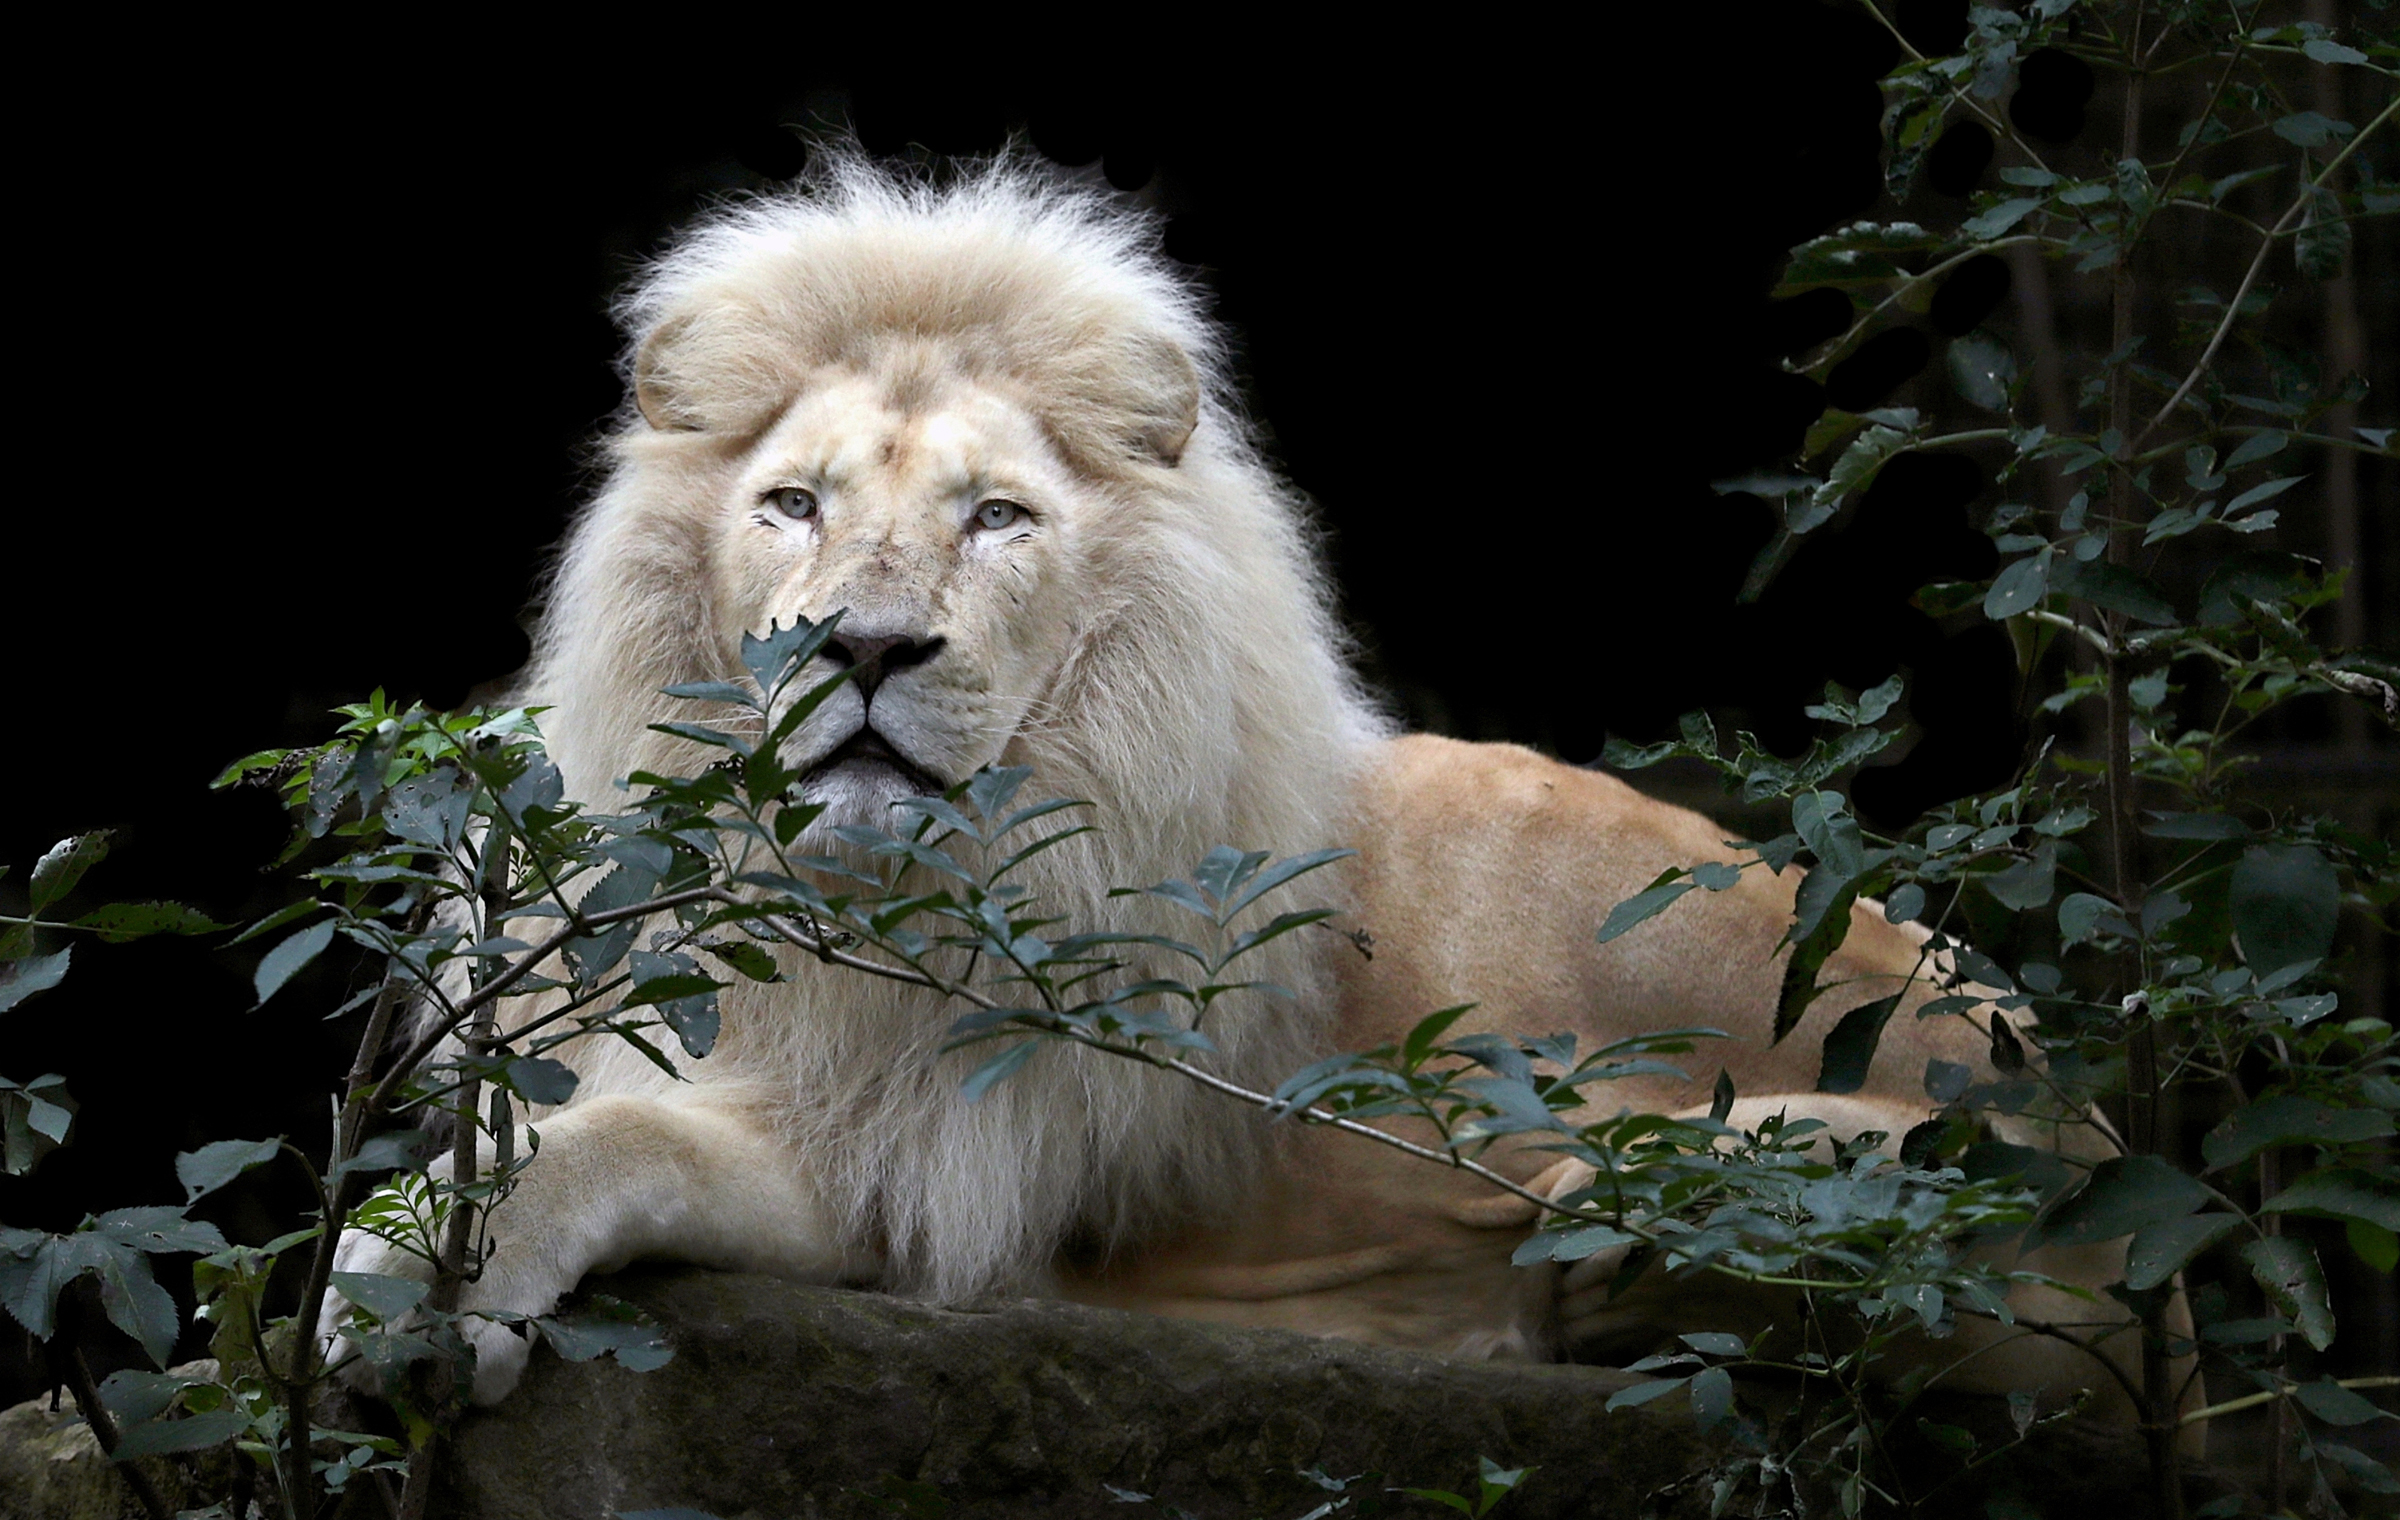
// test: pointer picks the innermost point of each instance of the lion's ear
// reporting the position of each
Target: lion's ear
(1166, 398)
(660, 392)
(1131, 396)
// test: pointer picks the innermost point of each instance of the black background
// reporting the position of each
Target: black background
(314, 353)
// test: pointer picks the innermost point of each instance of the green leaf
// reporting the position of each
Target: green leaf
(750, 960)
(2082, 914)
(714, 691)
(2256, 447)
(2335, 1405)
(1996, 222)
(1276, 873)
(62, 865)
(34, 1119)
(212, 1166)
(1712, 1396)
(2371, 1475)
(2259, 493)
(536, 1079)
(1850, 1048)
(2311, 129)
(2113, 587)
(193, 1432)
(2194, 826)
(1642, 1393)
(2377, 1247)
(671, 987)
(397, 1150)
(2326, 50)
(2120, 1196)
(260, 760)
(1983, 370)
(2286, 1270)
(21, 979)
(287, 914)
(2288, 1120)
(284, 961)
(2322, 245)
(386, 1298)
(779, 656)
(2219, 189)
(2341, 1193)
(1571, 1245)
(2029, 883)
(1858, 465)
(158, 1227)
(1823, 921)
(701, 733)
(1428, 1032)
(136, 1304)
(2285, 901)
(2162, 1249)
(607, 1326)
(119, 922)
(981, 1079)
(1643, 906)
(132, 1396)
(2018, 588)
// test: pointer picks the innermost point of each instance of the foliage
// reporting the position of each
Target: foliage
(2146, 925)
(2167, 930)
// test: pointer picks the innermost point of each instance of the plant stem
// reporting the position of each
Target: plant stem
(2253, 1400)
(2146, 1135)
(66, 1358)
(458, 1235)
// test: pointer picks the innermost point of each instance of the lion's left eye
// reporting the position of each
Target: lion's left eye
(996, 514)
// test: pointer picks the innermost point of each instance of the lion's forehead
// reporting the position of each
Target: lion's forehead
(853, 433)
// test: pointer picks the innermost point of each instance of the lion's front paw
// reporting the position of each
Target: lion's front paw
(375, 1324)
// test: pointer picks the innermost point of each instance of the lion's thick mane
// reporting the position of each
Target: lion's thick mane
(1207, 700)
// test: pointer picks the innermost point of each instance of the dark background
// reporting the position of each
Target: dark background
(314, 355)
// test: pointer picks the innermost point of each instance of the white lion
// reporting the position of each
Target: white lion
(988, 421)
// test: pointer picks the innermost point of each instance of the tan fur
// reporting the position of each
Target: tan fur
(1158, 639)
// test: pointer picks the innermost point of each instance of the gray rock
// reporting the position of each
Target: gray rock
(51, 1467)
(793, 1403)
(786, 1401)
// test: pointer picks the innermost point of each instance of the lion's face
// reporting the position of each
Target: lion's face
(930, 511)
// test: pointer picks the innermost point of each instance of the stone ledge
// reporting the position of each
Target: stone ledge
(793, 1403)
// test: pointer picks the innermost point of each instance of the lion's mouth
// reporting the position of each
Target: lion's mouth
(866, 749)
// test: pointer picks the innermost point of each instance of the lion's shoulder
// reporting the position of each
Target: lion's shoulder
(1423, 796)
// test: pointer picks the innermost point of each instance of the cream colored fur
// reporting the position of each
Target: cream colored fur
(1155, 637)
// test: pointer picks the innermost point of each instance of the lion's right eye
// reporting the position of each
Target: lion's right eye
(793, 501)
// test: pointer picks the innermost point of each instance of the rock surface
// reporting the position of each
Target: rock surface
(793, 1403)
(785, 1401)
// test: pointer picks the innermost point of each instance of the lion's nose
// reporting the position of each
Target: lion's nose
(876, 655)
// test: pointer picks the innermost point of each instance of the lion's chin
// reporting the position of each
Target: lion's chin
(861, 790)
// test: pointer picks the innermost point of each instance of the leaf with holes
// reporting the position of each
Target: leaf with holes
(2288, 1120)
(2287, 1271)
(2285, 902)
(2120, 1196)
(2162, 1249)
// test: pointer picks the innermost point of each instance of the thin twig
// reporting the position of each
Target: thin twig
(467, 1007)
(78, 1376)
(2233, 308)
(2252, 1401)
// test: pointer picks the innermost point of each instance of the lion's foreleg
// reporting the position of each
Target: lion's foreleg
(621, 1179)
